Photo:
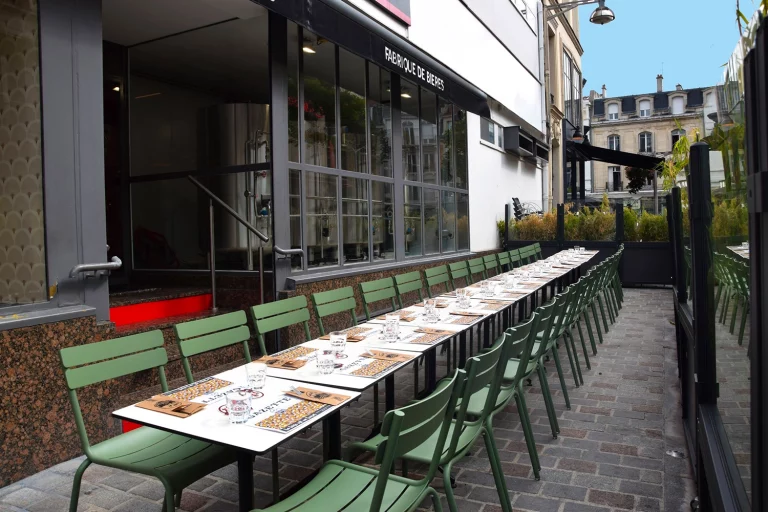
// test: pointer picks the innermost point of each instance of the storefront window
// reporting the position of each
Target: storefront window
(352, 106)
(460, 147)
(322, 219)
(294, 211)
(409, 107)
(354, 218)
(293, 92)
(446, 142)
(413, 220)
(319, 100)
(431, 222)
(383, 219)
(448, 233)
(22, 226)
(429, 136)
(380, 120)
(462, 222)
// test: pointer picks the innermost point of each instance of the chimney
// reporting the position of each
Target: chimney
(679, 87)
(605, 92)
(659, 83)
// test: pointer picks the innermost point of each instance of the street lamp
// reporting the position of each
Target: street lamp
(600, 16)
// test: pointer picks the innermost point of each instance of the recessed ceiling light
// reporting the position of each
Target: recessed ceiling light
(405, 94)
(308, 49)
(116, 88)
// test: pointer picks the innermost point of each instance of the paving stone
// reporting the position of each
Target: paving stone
(123, 481)
(577, 465)
(612, 499)
(570, 492)
(138, 505)
(24, 497)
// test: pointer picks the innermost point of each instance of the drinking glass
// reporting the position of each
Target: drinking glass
(745, 245)
(339, 343)
(430, 311)
(326, 361)
(581, 249)
(257, 377)
(391, 327)
(462, 294)
(239, 406)
(487, 288)
(511, 282)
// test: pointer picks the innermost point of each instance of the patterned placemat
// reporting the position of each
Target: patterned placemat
(464, 320)
(294, 353)
(374, 368)
(407, 316)
(294, 415)
(428, 339)
(196, 389)
(494, 307)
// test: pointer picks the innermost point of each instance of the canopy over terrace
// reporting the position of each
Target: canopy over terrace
(583, 151)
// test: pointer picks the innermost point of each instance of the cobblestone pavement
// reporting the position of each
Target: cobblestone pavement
(610, 455)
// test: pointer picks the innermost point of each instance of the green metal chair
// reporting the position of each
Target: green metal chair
(277, 315)
(207, 334)
(408, 283)
(175, 460)
(503, 261)
(481, 378)
(491, 265)
(343, 486)
(515, 259)
(459, 270)
(437, 276)
(537, 251)
(334, 302)
(476, 270)
(377, 291)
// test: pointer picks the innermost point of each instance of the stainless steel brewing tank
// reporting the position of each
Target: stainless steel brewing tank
(237, 134)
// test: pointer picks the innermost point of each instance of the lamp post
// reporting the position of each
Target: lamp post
(600, 16)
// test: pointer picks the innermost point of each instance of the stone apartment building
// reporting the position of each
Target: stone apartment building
(648, 123)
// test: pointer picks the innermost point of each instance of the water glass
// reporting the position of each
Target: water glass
(581, 249)
(511, 282)
(462, 294)
(326, 361)
(257, 375)
(745, 245)
(487, 288)
(430, 311)
(338, 343)
(239, 406)
(391, 327)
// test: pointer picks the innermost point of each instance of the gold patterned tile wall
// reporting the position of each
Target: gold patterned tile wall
(22, 227)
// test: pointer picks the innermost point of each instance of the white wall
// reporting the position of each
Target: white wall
(494, 178)
(450, 32)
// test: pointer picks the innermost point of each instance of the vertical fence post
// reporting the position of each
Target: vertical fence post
(560, 236)
(619, 238)
(703, 275)
(676, 214)
(506, 227)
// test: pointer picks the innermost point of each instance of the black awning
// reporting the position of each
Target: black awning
(346, 26)
(586, 152)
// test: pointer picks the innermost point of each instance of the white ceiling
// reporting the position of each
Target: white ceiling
(130, 22)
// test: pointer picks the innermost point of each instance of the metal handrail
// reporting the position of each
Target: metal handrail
(214, 198)
(288, 252)
(113, 264)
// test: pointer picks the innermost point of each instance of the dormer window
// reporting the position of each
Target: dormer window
(613, 112)
(678, 105)
(645, 108)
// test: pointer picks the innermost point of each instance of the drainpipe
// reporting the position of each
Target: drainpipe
(544, 75)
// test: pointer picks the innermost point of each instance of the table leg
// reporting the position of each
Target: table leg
(431, 372)
(332, 436)
(462, 349)
(275, 477)
(245, 480)
(389, 392)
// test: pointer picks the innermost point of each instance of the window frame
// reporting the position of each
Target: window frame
(617, 139)
(644, 112)
(648, 136)
(498, 133)
(397, 180)
(612, 114)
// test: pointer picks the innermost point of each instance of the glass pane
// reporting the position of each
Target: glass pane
(487, 131)
(354, 218)
(409, 106)
(446, 143)
(321, 220)
(352, 107)
(412, 214)
(429, 135)
(294, 211)
(383, 229)
(319, 101)
(431, 223)
(449, 221)
(380, 121)
(293, 92)
(22, 226)
(462, 223)
(460, 144)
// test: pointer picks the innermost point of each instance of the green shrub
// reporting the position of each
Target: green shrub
(730, 219)
(630, 225)
(535, 227)
(653, 228)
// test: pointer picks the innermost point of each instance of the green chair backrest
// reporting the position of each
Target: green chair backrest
(489, 260)
(459, 270)
(547, 319)
(537, 251)
(276, 315)
(514, 258)
(503, 262)
(333, 302)
(378, 290)
(521, 338)
(207, 334)
(407, 283)
(411, 426)
(476, 269)
(526, 255)
(89, 364)
(437, 276)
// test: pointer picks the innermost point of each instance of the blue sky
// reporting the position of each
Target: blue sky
(692, 38)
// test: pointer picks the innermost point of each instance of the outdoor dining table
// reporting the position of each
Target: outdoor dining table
(212, 424)
(740, 251)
